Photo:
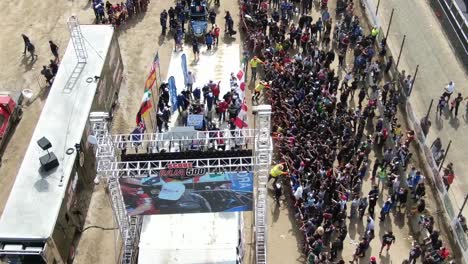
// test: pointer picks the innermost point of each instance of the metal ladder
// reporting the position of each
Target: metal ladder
(263, 150)
(77, 39)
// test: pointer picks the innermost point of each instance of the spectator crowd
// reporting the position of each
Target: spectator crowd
(335, 129)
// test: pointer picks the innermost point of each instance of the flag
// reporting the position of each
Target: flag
(241, 90)
(240, 74)
(137, 133)
(156, 61)
(144, 107)
(242, 86)
(152, 76)
(239, 122)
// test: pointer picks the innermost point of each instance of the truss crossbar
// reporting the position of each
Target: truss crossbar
(263, 150)
(139, 169)
(174, 141)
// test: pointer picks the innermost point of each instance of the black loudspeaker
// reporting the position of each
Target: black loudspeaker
(49, 161)
(44, 143)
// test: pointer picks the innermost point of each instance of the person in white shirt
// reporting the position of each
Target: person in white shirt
(190, 81)
(370, 224)
(298, 193)
(449, 89)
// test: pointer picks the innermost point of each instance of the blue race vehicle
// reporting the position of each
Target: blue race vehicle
(198, 18)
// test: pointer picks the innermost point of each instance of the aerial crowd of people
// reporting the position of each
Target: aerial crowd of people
(331, 145)
(119, 13)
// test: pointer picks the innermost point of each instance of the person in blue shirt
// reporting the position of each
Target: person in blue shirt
(163, 20)
(208, 41)
(181, 18)
(180, 102)
(197, 93)
(387, 206)
(325, 15)
(319, 25)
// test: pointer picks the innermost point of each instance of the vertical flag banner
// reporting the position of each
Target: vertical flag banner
(173, 93)
(184, 67)
(152, 76)
(242, 115)
(144, 107)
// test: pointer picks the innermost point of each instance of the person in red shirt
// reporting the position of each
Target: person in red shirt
(448, 178)
(215, 89)
(222, 107)
(444, 253)
(304, 40)
(216, 31)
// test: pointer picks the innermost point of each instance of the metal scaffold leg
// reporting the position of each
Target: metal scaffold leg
(129, 227)
(263, 150)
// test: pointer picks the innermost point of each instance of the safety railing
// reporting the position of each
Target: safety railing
(457, 20)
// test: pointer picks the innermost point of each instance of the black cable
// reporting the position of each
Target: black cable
(100, 227)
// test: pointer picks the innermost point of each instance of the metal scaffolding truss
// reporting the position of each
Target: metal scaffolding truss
(263, 151)
(176, 141)
(129, 227)
(139, 169)
(110, 168)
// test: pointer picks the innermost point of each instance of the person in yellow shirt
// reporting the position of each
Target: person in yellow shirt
(258, 90)
(279, 46)
(253, 66)
(277, 171)
(397, 133)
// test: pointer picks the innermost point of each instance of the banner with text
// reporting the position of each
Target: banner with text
(182, 189)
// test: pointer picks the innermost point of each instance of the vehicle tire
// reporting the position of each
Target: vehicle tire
(20, 115)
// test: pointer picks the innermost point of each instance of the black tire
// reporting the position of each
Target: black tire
(19, 115)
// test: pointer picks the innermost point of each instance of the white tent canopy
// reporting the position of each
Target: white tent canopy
(190, 238)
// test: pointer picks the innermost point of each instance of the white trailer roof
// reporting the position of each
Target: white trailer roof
(34, 202)
(189, 238)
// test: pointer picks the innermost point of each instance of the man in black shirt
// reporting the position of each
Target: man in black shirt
(47, 74)
(196, 49)
(373, 196)
(54, 49)
(53, 67)
(387, 240)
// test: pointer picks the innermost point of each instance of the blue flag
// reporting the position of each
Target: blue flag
(173, 93)
(184, 67)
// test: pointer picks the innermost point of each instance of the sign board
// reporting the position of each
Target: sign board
(182, 189)
(195, 121)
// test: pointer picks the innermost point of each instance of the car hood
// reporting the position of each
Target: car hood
(199, 27)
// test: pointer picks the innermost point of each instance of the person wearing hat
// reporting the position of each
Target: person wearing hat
(277, 171)
(373, 260)
(253, 66)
